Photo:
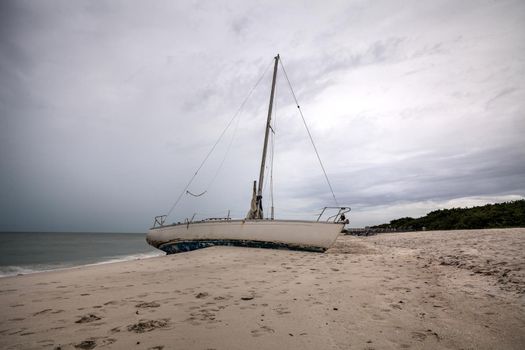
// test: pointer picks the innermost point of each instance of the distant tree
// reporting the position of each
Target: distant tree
(508, 214)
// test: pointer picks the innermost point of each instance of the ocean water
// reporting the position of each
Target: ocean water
(30, 252)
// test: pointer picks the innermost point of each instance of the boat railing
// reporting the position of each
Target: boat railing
(217, 219)
(159, 220)
(339, 217)
(189, 221)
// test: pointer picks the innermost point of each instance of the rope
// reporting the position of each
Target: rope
(217, 142)
(309, 134)
(195, 195)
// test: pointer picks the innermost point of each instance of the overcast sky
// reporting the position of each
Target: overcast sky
(108, 107)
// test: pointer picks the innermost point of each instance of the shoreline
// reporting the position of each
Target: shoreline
(415, 290)
(110, 260)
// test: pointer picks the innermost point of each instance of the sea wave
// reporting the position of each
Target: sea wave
(6, 271)
(128, 258)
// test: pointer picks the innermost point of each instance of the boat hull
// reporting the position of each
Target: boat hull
(277, 234)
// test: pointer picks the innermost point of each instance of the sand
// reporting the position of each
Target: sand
(425, 290)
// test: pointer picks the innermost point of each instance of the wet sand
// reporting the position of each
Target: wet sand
(425, 290)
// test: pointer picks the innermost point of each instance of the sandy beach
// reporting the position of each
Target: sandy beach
(418, 290)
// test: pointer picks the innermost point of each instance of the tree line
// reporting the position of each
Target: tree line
(508, 214)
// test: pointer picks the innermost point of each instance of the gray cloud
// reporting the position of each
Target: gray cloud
(429, 177)
(502, 93)
(107, 108)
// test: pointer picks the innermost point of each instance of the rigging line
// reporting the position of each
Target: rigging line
(220, 137)
(225, 154)
(308, 130)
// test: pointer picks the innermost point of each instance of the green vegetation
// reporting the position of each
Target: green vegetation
(508, 214)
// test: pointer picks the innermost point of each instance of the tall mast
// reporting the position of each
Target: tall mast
(263, 160)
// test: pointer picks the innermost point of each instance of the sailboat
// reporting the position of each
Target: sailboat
(254, 230)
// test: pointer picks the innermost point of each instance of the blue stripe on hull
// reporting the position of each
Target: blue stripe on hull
(186, 246)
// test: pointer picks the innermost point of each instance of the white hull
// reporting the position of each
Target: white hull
(302, 235)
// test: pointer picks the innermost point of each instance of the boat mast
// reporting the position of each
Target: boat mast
(263, 160)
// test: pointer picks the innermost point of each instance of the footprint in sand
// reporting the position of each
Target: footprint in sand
(46, 342)
(86, 345)
(45, 311)
(88, 318)
(282, 310)
(17, 332)
(115, 330)
(420, 336)
(262, 331)
(204, 315)
(147, 305)
(148, 325)
(106, 341)
(377, 317)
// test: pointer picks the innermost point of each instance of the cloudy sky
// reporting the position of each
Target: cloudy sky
(107, 108)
